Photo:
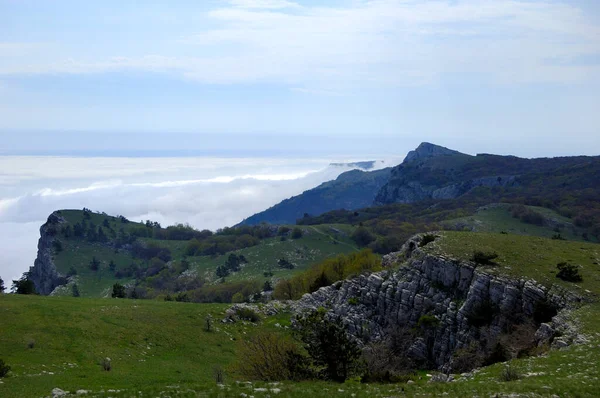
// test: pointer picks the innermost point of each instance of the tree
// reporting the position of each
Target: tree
(222, 271)
(57, 245)
(24, 285)
(112, 266)
(75, 290)
(2, 288)
(328, 344)
(67, 231)
(78, 229)
(94, 264)
(284, 263)
(233, 263)
(568, 272)
(296, 233)
(118, 291)
(238, 298)
(101, 236)
(362, 236)
(268, 286)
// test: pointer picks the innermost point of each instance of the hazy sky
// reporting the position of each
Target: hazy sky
(507, 76)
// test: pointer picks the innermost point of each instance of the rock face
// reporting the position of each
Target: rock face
(44, 274)
(429, 286)
(434, 172)
(427, 150)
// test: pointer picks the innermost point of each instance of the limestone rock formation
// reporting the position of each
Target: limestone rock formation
(456, 295)
(44, 274)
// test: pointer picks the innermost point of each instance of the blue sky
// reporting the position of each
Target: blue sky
(504, 76)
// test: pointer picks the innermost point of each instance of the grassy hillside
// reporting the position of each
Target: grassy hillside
(151, 344)
(160, 348)
(497, 217)
(526, 256)
(316, 244)
(351, 190)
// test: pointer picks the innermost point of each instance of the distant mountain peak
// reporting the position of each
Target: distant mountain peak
(427, 150)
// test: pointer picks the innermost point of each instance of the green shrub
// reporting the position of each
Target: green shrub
(353, 301)
(269, 356)
(118, 291)
(568, 272)
(483, 258)
(362, 236)
(247, 314)
(510, 373)
(428, 322)
(427, 238)
(4, 368)
(238, 298)
(106, 364)
(297, 233)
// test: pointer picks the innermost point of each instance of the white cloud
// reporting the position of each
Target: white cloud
(204, 192)
(368, 43)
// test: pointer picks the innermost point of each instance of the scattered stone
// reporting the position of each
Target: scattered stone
(57, 392)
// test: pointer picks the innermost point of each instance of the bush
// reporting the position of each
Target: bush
(24, 285)
(4, 368)
(510, 373)
(428, 322)
(327, 272)
(483, 258)
(297, 233)
(329, 346)
(219, 375)
(247, 314)
(106, 364)
(238, 298)
(568, 272)
(118, 291)
(353, 301)
(269, 356)
(362, 236)
(427, 238)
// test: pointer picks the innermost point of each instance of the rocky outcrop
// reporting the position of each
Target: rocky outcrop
(44, 274)
(414, 191)
(456, 298)
(427, 150)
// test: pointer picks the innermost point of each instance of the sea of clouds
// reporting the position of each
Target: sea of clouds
(206, 192)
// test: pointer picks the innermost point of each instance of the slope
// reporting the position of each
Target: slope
(351, 190)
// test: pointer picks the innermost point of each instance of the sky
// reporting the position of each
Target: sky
(496, 76)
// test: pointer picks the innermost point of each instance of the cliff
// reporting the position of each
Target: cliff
(44, 274)
(454, 305)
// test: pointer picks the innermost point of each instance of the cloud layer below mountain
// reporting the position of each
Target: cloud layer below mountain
(204, 192)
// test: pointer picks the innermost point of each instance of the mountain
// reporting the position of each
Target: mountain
(432, 172)
(351, 190)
